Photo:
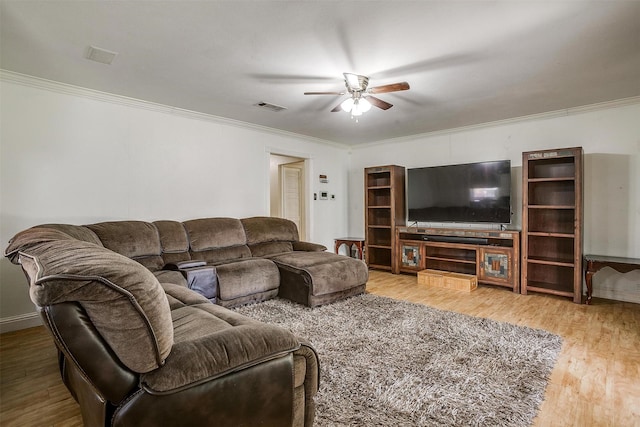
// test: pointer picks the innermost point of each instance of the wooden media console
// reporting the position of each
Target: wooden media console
(492, 255)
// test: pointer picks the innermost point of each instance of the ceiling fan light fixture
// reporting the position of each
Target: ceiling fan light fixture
(347, 104)
(364, 105)
(356, 106)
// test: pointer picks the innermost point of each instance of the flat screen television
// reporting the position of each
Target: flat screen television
(464, 193)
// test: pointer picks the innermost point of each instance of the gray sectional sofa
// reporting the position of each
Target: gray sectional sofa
(135, 309)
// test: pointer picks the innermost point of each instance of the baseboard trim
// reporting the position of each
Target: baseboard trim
(21, 321)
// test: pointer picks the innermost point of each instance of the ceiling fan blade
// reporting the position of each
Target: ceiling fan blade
(379, 102)
(393, 87)
(324, 93)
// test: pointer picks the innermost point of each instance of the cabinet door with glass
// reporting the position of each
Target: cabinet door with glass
(411, 256)
(495, 265)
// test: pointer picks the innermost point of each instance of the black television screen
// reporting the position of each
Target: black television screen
(468, 193)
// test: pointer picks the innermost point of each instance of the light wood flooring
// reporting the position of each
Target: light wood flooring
(596, 381)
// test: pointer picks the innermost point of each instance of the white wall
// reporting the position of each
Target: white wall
(611, 140)
(72, 156)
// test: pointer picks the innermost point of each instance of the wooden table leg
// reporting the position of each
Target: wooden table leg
(351, 242)
(588, 277)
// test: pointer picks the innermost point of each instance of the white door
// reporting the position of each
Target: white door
(291, 179)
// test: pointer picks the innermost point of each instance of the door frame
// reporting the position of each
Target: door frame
(307, 159)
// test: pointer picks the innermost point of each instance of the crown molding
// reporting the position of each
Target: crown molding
(64, 88)
(96, 95)
(532, 117)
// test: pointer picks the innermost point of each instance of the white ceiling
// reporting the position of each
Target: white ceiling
(468, 62)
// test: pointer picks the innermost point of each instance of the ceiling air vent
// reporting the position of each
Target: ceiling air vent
(100, 55)
(272, 107)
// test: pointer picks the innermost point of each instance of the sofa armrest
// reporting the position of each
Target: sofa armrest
(307, 379)
(308, 247)
(261, 394)
(180, 296)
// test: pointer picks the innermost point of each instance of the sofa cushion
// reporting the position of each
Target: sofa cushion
(212, 341)
(246, 277)
(214, 233)
(137, 240)
(261, 229)
(324, 271)
(76, 231)
(123, 299)
(268, 235)
(217, 240)
(174, 241)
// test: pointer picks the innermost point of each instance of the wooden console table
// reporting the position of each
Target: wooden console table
(593, 263)
(351, 241)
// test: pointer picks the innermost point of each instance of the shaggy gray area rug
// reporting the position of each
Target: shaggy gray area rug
(385, 362)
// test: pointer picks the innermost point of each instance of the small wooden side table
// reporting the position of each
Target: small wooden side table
(593, 263)
(358, 242)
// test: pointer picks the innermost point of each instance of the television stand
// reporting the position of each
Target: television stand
(491, 255)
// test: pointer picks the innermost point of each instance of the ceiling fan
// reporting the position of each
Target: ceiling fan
(361, 100)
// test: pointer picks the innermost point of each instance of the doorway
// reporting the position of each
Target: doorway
(287, 190)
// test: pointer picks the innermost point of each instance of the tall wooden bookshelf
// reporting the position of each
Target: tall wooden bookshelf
(384, 192)
(552, 222)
